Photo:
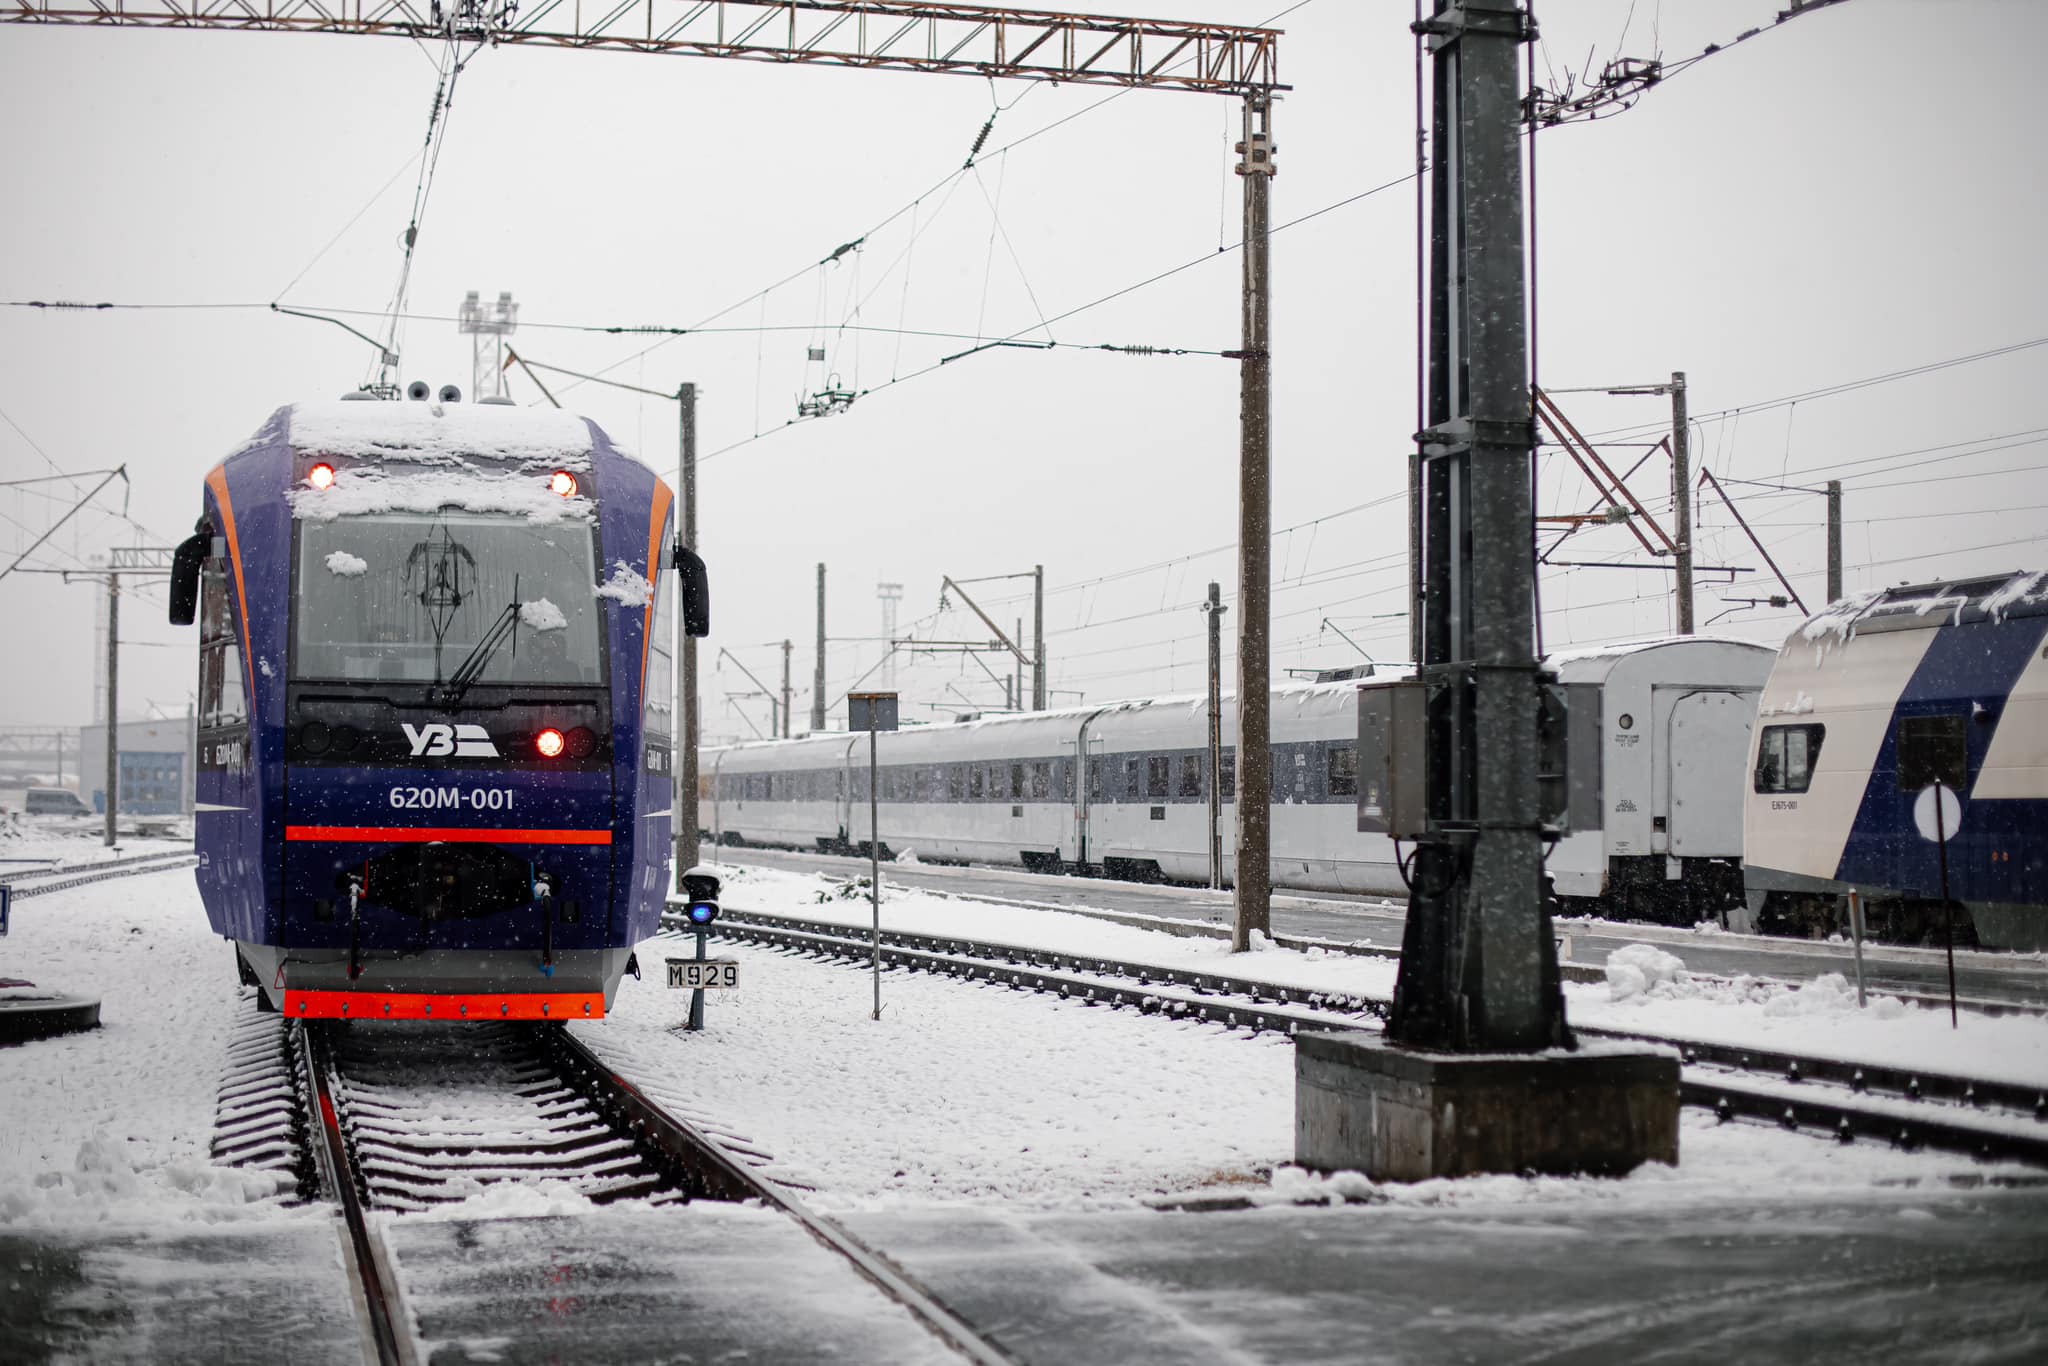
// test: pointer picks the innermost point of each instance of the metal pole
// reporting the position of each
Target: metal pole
(1834, 540)
(1856, 933)
(1251, 903)
(1948, 912)
(875, 861)
(1478, 969)
(1214, 609)
(1018, 668)
(786, 648)
(697, 993)
(684, 820)
(1681, 501)
(1038, 637)
(113, 699)
(818, 680)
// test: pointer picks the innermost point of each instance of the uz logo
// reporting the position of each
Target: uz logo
(436, 740)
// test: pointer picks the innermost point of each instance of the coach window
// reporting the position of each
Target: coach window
(1934, 749)
(1785, 756)
(1016, 782)
(1132, 790)
(956, 782)
(1041, 780)
(1157, 770)
(1190, 776)
(974, 782)
(1343, 771)
(1066, 780)
(1229, 774)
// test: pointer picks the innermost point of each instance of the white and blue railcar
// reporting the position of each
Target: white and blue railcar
(1125, 789)
(1872, 704)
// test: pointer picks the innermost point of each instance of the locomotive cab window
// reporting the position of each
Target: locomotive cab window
(413, 599)
(1785, 756)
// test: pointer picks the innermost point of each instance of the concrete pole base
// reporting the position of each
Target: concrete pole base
(1396, 1114)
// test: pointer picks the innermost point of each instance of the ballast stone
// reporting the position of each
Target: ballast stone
(1398, 1114)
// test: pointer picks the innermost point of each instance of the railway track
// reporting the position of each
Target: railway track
(1850, 1102)
(389, 1119)
(38, 881)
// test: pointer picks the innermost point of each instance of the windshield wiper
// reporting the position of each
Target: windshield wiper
(479, 656)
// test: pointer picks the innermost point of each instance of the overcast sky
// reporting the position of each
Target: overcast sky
(1856, 193)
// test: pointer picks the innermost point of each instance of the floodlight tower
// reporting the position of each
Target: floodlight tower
(497, 321)
(890, 594)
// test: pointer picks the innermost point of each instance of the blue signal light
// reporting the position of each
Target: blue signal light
(702, 912)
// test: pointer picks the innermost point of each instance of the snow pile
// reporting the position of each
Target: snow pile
(1829, 994)
(366, 490)
(343, 565)
(511, 1200)
(909, 859)
(627, 588)
(1640, 969)
(106, 1184)
(541, 615)
(441, 433)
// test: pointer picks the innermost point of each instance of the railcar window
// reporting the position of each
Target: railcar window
(1041, 780)
(1016, 782)
(406, 598)
(1066, 780)
(1343, 771)
(1190, 776)
(1934, 749)
(1095, 780)
(1157, 768)
(1230, 773)
(1131, 792)
(956, 782)
(1785, 757)
(974, 782)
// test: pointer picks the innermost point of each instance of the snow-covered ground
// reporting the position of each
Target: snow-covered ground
(1647, 992)
(956, 1096)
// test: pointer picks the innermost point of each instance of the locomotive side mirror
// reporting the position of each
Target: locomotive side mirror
(696, 590)
(186, 562)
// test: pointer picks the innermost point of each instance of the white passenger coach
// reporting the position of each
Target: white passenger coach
(1123, 789)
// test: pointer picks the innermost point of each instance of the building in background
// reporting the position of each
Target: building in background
(155, 763)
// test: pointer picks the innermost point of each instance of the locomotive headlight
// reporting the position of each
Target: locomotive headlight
(563, 483)
(321, 476)
(549, 743)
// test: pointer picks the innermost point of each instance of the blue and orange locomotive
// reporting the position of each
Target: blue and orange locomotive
(435, 732)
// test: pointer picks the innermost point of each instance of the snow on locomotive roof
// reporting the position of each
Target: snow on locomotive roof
(437, 433)
(1950, 602)
(424, 457)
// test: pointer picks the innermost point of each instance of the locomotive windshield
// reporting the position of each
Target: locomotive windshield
(447, 599)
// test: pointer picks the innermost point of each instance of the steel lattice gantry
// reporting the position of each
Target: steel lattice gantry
(973, 40)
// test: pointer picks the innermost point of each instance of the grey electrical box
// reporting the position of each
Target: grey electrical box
(1393, 781)
(871, 711)
(1568, 757)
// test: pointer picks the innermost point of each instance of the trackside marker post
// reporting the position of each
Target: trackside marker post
(873, 712)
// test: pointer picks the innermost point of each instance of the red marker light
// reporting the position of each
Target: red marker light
(321, 476)
(549, 743)
(563, 483)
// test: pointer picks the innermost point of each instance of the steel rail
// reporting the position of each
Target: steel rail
(722, 1177)
(1221, 1000)
(337, 1173)
(63, 879)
